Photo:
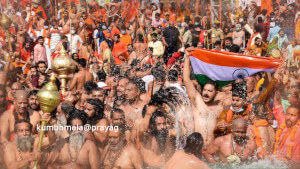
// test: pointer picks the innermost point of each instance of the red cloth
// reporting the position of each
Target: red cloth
(172, 60)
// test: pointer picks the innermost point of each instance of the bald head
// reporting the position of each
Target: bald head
(16, 86)
(20, 94)
(239, 122)
(21, 101)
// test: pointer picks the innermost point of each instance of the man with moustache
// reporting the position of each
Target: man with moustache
(61, 121)
(20, 111)
(232, 148)
(189, 157)
(119, 153)
(33, 101)
(156, 147)
(205, 110)
(134, 105)
(74, 151)
(21, 153)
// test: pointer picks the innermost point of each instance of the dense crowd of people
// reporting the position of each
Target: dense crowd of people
(133, 72)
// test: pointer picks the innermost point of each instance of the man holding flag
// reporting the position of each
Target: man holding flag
(221, 67)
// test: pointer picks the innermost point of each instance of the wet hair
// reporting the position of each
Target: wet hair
(77, 114)
(32, 93)
(156, 114)
(139, 83)
(23, 121)
(82, 62)
(118, 36)
(99, 110)
(116, 110)
(172, 75)
(256, 111)
(115, 70)
(66, 107)
(229, 38)
(150, 49)
(194, 144)
(215, 84)
(159, 72)
(134, 63)
(101, 75)
(89, 86)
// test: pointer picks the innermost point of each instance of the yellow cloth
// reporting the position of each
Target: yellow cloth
(259, 83)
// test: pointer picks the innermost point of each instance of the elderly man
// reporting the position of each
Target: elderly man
(75, 151)
(119, 153)
(232, 148)
(19, 112)
(21, 154)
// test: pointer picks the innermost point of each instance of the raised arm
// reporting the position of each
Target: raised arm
(190, 88)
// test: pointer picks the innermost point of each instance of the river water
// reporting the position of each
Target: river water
(261, 164)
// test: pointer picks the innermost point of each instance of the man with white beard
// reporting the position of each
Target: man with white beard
(74, 151)
(61, 122)
(21, 153)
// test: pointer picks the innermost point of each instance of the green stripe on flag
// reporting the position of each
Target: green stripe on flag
(202, 79)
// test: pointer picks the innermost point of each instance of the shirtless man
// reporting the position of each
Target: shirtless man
(252, 94)
(140, 47)
(20, 111)
(21, 35)
(261, 131)
(156, 147)
(119, 153)
(20, 153)
(205, 111)
(81, 77)
(232, 148)
(189, 157)
(65, 22)
(132, 53)
(14, 87)
(74, 16)
(133, 108)
(238, 36)
(75, 151)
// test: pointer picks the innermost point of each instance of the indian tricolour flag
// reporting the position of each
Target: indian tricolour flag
(225, 67)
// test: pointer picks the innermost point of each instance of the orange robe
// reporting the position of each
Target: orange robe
(126, 39)
(119, 48)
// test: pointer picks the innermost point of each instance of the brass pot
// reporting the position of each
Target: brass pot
(63, 65)
(48, 96)
(5, 22)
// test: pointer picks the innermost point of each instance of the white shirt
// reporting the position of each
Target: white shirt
(76, 39)
(147, 79)
(158, 48)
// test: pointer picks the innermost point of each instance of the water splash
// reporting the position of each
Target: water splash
(180, 109)
(261, 164)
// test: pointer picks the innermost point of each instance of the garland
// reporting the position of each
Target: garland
(292, 138)
(256, 135)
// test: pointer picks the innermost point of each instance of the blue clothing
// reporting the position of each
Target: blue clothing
(273, 31)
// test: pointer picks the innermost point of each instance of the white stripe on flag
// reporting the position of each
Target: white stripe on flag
(223, 73)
